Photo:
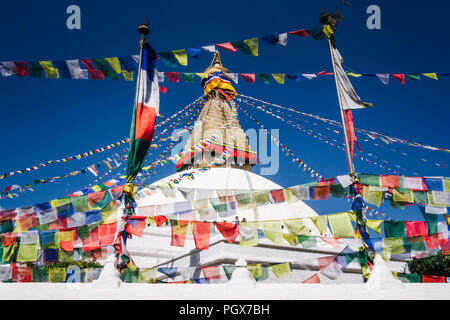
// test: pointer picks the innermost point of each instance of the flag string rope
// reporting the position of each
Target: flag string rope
(366, 132)
(323, 137)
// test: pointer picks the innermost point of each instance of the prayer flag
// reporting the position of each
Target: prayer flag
(179, 229)
(300, 33)
(296, 226)
(415, 228)
(383, 77)
(265, 77)
(403, 195)
(168, 58)
(394, 229)
(173, 76)
(211, 272)
(279, 78)
(93, 73)
(313, 279)
(135, 225)
(372, 197)
(252, 45)
(341, 226)
(201, 232)
(431, 75)
(281, 269)
(21, 68)
(181, 56)
(50, 71)
(193, 52)
(248, 77)
(227, 46)
(104, 67)
(389, 181)
(144, 113)
(399, 76)
(272, 231)
(321, 223)
(229, 230)
(34, 69)
(248, 233)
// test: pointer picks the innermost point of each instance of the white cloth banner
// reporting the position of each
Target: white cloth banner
(75, 71)
(283, 39)
(345, 180)
(412, 183)
(349, 98)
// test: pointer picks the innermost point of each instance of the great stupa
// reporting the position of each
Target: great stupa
(219, 127)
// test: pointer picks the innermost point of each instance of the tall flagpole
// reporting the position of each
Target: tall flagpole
(328, 29)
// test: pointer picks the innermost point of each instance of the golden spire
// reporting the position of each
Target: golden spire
(216, 65)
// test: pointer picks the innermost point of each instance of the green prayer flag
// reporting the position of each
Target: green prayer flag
(6, 226)
(104, 67)
(168, 58)
(65, 256)
(413, 76)
(265, 77)
(338, 191)
(409, 278)
(307, 242)
(80, 203)
(188, 77)
(39, 274)
(316, 33)
(242, 46)
(393, 229)
(420, 197)
(243, 199)
(431, 220)
(129, 276)
(229, 271)
(83, 232)
(370, 179)
(34, 69)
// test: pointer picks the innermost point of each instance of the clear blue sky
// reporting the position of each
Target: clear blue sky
(46, 119)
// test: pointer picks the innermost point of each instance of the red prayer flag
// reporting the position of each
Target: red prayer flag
(348, 119)
(173, 76)
(434, 240)
(415, 228)
(160, 220)
(390, 181)
(107, 233)
(399, 76)
(324, 73)
(277, 195)
(428, 279)
(248, 77)
(135, 225)
(229, 230)
(21, 69)
(314, 279)
(227, 46)
(93, 73)
(300, 33)
(20, 273)
(7, 214)
(445, 246)
(321, 192)
(332, 241)
(163, 89)
(201, 232)
(212, 272)
(325, 261)
(92, 242)
(9, 239)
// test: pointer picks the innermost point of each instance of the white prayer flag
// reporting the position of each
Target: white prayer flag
(383, 77)
(75, 71)
(283, 39)
(309, 76)
(210, 48)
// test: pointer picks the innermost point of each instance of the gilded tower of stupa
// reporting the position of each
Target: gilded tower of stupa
(217, 137)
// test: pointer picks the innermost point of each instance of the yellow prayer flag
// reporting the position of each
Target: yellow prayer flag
(248, 233)
(405, 196)
(255, 270)
(147, 275)
(340, 225)
(356, 75)
(296, 227)
(281, 269)
(290, 196)
(56, 274)
(447, 218)
(50, 71)
(393, 245)
(272, 231)
(375, 225)
(352, 215)
(372, 197)
(110, 213)
(279, 77)
(67, 235)
(115, 64)
(128, 75)
(321, 223)
(253, 45)
(59, 202)
(181, 56)
(431, 75)
(291, 238)
(201, 75)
